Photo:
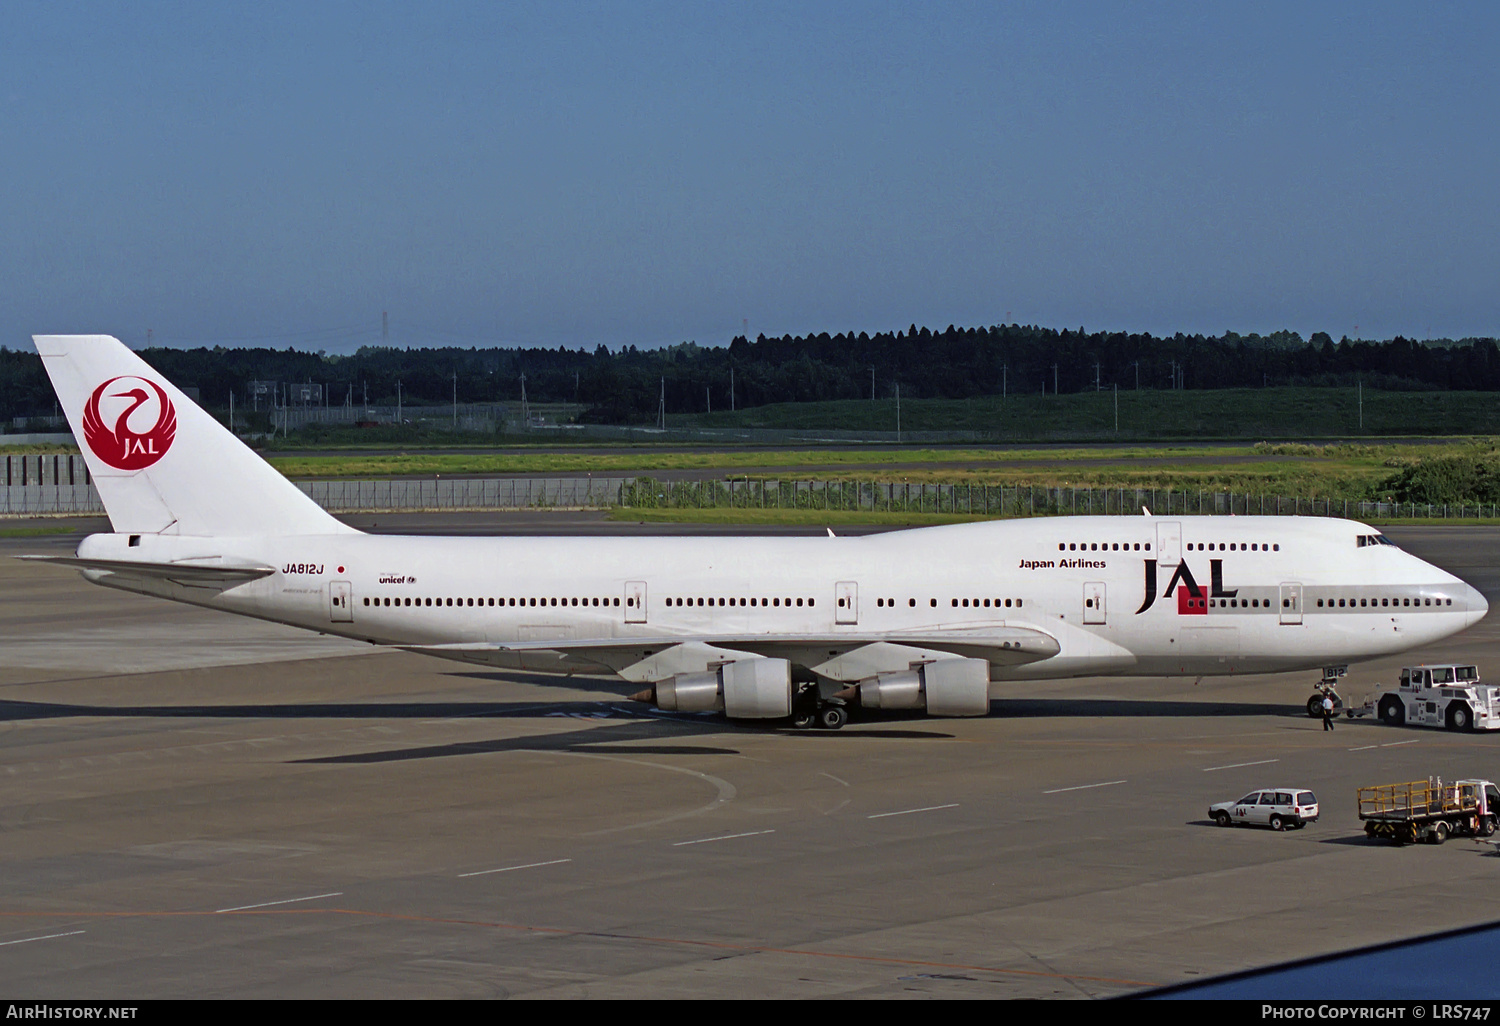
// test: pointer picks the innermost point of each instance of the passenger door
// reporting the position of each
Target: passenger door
(1168, 544)
(1093, 602)
(340, 604)
(1261, 814)
(1291, 603)
(846, 602)
(1244, 809)
(635, 601)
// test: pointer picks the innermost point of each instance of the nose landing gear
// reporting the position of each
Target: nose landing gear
(1331, 677)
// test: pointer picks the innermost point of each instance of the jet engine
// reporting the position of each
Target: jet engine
(746, 689)
(947, 687)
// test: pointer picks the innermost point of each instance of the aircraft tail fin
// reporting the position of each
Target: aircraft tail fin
(161, 463)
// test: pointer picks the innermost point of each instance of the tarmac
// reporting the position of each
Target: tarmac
(194, 805)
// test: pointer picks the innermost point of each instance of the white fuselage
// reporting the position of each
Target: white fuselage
(1120, 595)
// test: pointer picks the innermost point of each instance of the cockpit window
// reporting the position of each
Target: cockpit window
(1373, 539)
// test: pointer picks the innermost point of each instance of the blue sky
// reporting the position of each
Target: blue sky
(649, 173)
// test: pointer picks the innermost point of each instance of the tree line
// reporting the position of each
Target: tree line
(625, 386)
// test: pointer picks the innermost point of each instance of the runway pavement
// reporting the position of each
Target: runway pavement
(194, 805)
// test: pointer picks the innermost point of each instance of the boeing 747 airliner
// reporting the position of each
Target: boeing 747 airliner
(759, 628)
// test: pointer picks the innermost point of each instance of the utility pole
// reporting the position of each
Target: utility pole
(661, 406)
(898, 413)
(708, 399)
(1054, 379)
(525, 410)
(1097, 386)
(455, 400)
(872, 384)
(1117, 407)
(1004, 381)
(398, 401)
(731, 390)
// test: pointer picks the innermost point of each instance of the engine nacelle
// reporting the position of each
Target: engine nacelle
(746, 689)
(948, 687)
(902, 690)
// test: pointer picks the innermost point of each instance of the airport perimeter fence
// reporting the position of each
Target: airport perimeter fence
(50, 485)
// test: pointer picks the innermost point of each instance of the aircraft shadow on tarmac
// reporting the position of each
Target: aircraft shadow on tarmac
(1027, 708)
(582, 742)
(629, 725)
(1011, 708)
(1062, 708)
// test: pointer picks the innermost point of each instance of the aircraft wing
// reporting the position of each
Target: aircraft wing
(1004, 645)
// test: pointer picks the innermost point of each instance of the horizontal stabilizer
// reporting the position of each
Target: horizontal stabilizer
(202, 573)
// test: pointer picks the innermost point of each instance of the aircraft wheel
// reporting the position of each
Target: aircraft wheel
(804, 721)
(1315, 706)
(832, 717)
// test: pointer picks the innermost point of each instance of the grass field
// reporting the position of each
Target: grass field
(33, 532)
(355, 464)
(801, 517)
(1343, 471)
(836, 518)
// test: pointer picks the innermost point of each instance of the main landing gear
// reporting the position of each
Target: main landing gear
(809, 709)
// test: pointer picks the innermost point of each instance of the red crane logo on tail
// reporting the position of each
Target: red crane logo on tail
(129, 423)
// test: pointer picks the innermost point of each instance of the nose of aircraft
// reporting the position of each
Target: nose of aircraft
(1476, 604)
